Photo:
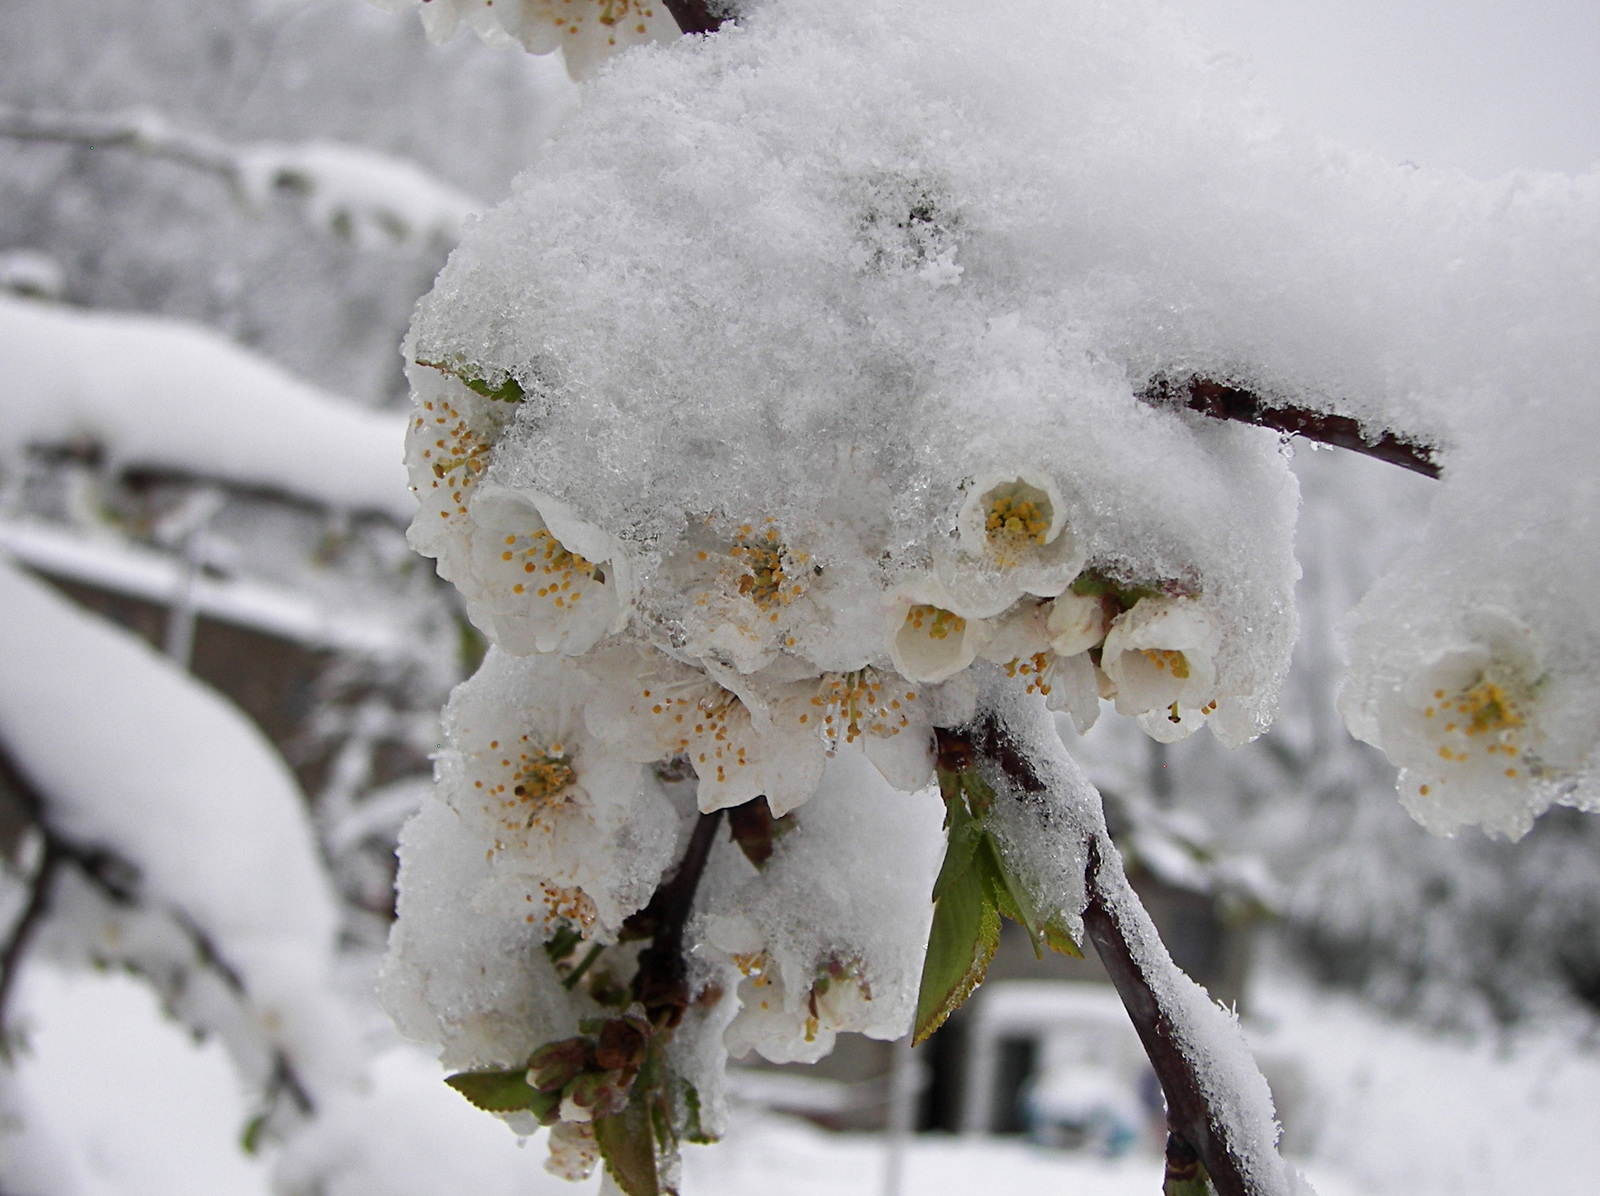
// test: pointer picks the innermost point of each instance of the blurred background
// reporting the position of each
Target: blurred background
(278, 181)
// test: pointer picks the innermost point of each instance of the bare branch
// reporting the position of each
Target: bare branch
(1222, 400)
(142, 133)
(698, 16)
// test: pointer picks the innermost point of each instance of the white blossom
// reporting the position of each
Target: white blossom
(930, 641)
(448, 444)
(539, 579)
(574, 830)
(1160, 656)
(1472, 731)
(1012, 539)
(788, 1022)
(587, 32)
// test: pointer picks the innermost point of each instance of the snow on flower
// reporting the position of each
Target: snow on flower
(736, 593)
(539, 579)
(1161, 657)
(574, 830)
(930, 641)
(1468, 730)
(587, 32)
(1013, 540)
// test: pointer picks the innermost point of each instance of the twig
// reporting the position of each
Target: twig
(1221, 400)
(662, 982)
(143, 134)
(697, 16)
(1198, 1129)
(39, 891)
(1189, 1117)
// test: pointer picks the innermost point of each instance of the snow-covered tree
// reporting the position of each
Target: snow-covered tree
(854, 406)
(852, 386)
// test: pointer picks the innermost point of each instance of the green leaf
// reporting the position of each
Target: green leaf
(693, 1128)
(509, 391)
(966, 931)
(628, 1146)
(254, 1129)
(500, 1091)
(1059, 939)
(965, 835)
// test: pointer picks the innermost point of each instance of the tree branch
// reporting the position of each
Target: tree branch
(661, 983)
(144, 134)
(1189, 1116)
(116, 880)
(1221, 400)
(33, 913)
(1143, 974)
(698, 16)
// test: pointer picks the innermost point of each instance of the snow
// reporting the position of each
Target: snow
(163, 394)
(136, 756)
(144, 573)
(1380, 1109)
(373, 197)
(136, 1107)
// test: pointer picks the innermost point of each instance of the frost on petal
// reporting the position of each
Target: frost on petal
(574, 830)
(737, 595)
(530, 584)
(1467, 729)
(931, 642)
(1161, 657)
(1013, 540)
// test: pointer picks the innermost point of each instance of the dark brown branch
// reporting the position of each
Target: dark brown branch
(697, 16)
(1196, 1128)
(33, 913)
(1189, 1117)
(1220, 400)
(661, 984)
(117, 881)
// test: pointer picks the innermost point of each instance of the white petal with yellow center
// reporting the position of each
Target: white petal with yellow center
(531, 584)
(1012, 539)
(930, 641)
(1161, 657)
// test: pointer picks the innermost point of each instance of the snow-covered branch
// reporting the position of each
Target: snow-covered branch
(358, 193)
(168, 395)
(1223, 400)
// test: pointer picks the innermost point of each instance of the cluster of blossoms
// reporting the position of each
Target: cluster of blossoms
(741, 662)
(779, 414)
(673, 637)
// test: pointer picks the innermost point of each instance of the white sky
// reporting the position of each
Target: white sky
(1485, 85)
